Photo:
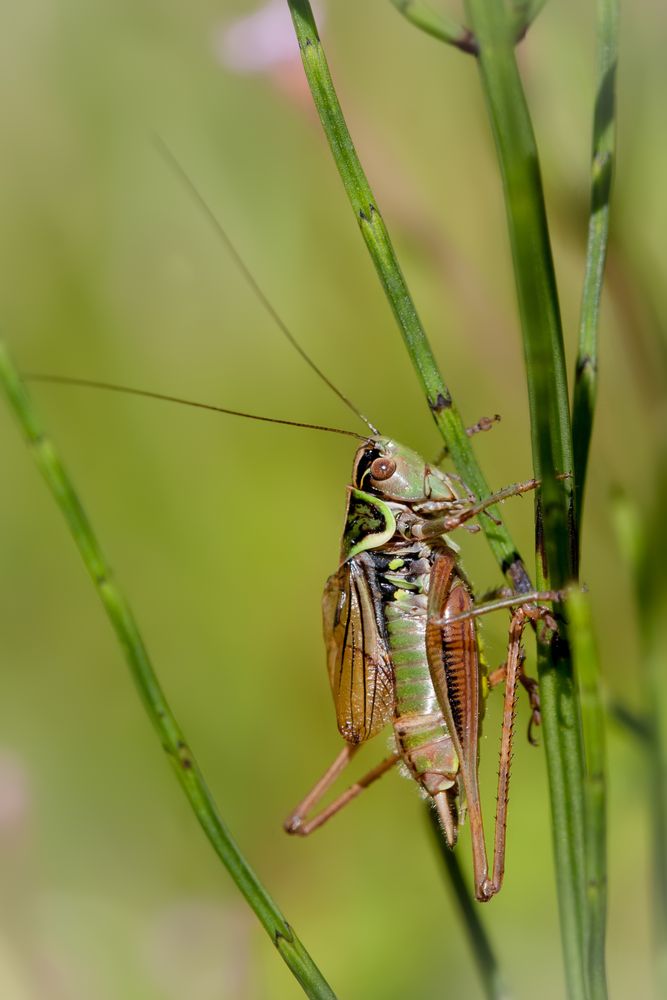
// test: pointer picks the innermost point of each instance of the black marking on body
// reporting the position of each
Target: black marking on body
(363, 465)
(453, 692)
(375, 576)
(363, 519)
(412, 568)
(363, 654)
(347, 629)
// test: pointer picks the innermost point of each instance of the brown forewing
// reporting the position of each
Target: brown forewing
(358, 660)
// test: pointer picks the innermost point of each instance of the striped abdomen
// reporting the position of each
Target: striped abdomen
(421, 732)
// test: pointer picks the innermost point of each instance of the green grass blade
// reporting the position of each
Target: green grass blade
(552, 454)
(437, 24)
(587, 674)
(602, 164)
(535, 279)
(379, 245)
(447, 29)
(642, 543)
(173, 741)
(487, 963)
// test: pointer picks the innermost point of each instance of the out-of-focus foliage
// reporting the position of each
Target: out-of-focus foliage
(223, 532)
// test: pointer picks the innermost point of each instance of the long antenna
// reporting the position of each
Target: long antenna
(111, 387)
(176, 166)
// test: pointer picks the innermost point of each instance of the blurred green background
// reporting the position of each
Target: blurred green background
(223, 531)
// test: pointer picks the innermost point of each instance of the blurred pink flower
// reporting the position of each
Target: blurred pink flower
(260, 42)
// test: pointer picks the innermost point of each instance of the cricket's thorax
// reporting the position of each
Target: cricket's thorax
(422, 737)
(378, 602)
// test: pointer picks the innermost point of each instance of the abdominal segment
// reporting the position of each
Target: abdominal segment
(421, 733)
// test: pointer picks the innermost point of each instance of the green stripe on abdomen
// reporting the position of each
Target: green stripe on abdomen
(420, 729)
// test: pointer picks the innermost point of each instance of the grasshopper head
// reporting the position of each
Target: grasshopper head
(393, 472)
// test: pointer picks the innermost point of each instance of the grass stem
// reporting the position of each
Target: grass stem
(164, 722)
(376, 237)
(557, 557)
(587, 675)
(602, 164)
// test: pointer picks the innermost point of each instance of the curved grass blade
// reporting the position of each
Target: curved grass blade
(377, 240)
(447, 29)
(171, 736)
(602, 165)
(552, 454)
(437, 24)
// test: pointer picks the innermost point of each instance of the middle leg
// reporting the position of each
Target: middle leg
(459, 512)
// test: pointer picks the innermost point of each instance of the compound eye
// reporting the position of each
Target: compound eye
(382, 468)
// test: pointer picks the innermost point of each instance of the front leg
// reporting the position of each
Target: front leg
(460, 511)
